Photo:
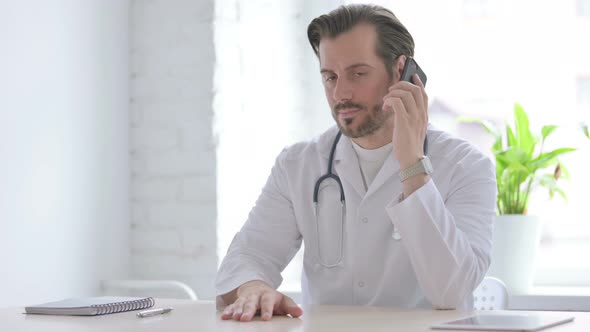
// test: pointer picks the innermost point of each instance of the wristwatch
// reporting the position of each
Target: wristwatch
(422, 166)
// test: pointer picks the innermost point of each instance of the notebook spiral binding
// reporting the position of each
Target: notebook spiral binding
(111, 308)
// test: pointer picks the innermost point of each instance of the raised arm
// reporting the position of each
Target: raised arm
(449, 240)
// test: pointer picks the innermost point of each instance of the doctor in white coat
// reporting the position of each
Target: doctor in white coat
(387, 226)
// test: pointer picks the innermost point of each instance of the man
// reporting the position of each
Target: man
(393, 232)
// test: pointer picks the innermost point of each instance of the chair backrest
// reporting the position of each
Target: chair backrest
(491, 294)
(154, 288)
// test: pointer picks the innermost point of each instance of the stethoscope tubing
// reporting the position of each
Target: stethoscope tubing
(330, 175)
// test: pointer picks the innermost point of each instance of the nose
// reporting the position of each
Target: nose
(342, 90)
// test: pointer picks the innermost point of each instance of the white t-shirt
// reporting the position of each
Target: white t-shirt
(371, 161)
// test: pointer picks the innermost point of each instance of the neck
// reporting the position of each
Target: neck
(379, 138)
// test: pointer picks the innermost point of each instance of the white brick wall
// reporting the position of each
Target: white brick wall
(173, 162)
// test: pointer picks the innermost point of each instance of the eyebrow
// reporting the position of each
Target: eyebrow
(324, 70)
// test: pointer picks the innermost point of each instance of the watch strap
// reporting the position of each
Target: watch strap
(423, 166)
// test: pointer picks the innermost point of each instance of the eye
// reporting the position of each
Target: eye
(359, 74)
(329, 78)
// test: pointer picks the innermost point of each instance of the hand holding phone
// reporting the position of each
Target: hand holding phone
(411, 67)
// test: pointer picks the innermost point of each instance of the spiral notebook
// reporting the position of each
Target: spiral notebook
(91, 306)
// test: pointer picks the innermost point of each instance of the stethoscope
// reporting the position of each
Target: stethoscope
(330, 175)
(316, 189)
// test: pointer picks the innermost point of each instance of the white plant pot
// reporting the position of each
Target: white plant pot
(516, 239)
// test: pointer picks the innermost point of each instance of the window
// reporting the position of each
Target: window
(269, 95)
(264, 65)
(583, 8)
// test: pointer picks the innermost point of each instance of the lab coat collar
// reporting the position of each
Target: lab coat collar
(326, 140)
(389, 169)
(347, 166)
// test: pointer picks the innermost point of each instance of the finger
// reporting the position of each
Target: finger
(227, 312)
(400, 84)
(267, 305)
(407, 99)
(415, 104)
(388, 104)
(397, 85)
(418, 93)
(395, 105)
(401, 116)
(417, 90)
(250, 308)
(238, 308)
(290, 307)
(417, 81)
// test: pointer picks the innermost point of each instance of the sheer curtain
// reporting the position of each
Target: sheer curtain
(268, 95)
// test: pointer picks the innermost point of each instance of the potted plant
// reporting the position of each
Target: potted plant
(522, 166)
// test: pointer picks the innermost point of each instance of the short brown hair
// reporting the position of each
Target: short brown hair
(393, 39)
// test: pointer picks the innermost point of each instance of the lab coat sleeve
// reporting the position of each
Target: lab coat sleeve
(449, 241)
(266, 242)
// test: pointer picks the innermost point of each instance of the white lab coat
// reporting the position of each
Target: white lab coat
(445, 228)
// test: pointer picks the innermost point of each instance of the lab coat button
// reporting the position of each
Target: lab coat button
(361, 284)
(365, 220)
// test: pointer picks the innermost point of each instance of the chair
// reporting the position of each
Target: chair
(491, 294)
(154, 288)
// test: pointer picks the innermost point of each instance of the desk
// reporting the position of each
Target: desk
(202, 316)
(552, 298)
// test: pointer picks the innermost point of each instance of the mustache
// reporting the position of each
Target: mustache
(347, 104)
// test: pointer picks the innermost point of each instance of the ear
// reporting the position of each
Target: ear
(398, 67)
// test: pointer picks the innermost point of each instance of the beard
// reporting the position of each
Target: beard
(373, 119)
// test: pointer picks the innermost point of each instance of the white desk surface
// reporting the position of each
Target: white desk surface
(202, 316)
(552, 298)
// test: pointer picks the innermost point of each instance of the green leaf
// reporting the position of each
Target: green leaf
(561, 193)
(489, 127)
(548, 158)
(512, 155)
(585, 130)
(517, 162)
(565, 173)
(524, 137)
(547, 130)
(510, 139)
(500, 166)
(512, 178)
(548, 181)
(497, 146)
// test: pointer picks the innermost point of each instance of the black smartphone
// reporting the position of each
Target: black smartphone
(410, 68)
